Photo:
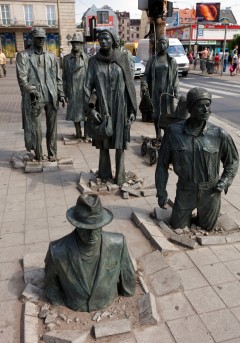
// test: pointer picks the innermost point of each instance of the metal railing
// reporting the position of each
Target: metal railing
(24, 23)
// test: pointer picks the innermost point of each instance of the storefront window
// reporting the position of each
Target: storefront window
(5, 13)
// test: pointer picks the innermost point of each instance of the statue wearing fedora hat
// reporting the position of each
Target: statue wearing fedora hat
(74, 72)
(41, 86)
(88, 268)
(196, 148)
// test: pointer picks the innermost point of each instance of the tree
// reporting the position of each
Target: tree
(235, 41)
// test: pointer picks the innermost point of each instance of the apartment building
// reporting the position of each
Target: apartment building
(18, 17)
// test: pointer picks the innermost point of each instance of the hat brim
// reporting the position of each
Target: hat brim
(106, 218)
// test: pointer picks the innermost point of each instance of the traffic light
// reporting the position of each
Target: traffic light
(169, 9)
(155, 8)
(93, 24)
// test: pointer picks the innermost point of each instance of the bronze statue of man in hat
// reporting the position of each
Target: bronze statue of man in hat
(196, 149)
(40, 81)
(74, 72)
(88, 268)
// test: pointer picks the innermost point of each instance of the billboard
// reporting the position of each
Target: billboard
(208, 11)
(174, 20)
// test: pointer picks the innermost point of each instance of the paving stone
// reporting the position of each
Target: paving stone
(131, 191)
(204, 300)
(222, 325)
(149, 192)
(229, 292)
(70, 141)
(163, 244)
(190, 243)
(226, 253)
(226, 223)
(65, 160)
(211, 240)
(33, 167)
(179, 260)
(44, 311)
(163, 214)
(191, 278)
(112, 186)
(153, 262)
(179, 231)
(141, 218)
(85, 178)
(173, 306)
(147, 310)
(189, 330)
(165, 281)
(50, 326)
(136, 185)
(202, 256)
(7, 334)
(30, 329)
(31, 309)
(84, 188)
(233, 238)
(236, 312)
(17, 163)
(153, 334)
(217, 273)
(34, 269)
(234, 267)
(125, 195)
(51, 318)
(143, 284)
(165, 227)
(50, 166)
(116, 327)
(66, 336)
(8, 312)
(32, 293)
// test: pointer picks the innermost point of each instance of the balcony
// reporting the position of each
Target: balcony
(13, 23)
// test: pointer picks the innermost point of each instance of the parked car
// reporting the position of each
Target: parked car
(139, 67)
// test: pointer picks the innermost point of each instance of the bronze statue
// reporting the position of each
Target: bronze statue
(161, 76)
(195, 148)
(41, 86)
(74, 72)
(88, 268)
(109, 73)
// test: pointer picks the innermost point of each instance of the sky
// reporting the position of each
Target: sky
(132, 6)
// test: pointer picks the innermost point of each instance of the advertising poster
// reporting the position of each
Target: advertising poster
(52, 43)
(208, 11)
(8, 44)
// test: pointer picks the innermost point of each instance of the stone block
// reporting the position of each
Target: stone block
(51, 318)
(226, 223)
(142, 217)
(165, 281)
(50, 166)
(31, 309)
(30, 329)
(32, 293)
(163, 214)
(44, 311)
(233, 238)
(33, 167)
(165, 227)
(112, 186)
(33, 266)
(136, 185)
(190, 243)
(17, 163)
(143, 285)
(83, 188)
(85, 178)
(65, 160)
(211, 240)
(67, 141)
(150, 230)
(113, 328)
(163, 244)
(147, 310)
(153, 334)
(131, 191)
(148, 192)
(153, 262)
(125, 195)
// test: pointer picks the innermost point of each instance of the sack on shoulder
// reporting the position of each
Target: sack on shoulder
(101, 128)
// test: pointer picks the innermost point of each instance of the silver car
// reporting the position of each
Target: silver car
(139, 67)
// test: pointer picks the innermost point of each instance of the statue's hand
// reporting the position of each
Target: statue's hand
(130, 120)
(219, 187)
(97, 116)
(34, 95)
(162, 202)
(63, 101)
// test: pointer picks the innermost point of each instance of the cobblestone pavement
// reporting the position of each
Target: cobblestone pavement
(32, 213)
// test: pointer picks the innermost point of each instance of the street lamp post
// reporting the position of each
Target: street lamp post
(224, 21)
(59, 23)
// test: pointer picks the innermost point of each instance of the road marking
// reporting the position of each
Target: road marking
(188, 88)
(224, 85)
(213, 90)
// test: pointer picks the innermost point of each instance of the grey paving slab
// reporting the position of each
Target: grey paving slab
(229, 292)
(191, 278)
(11, 239)
(237, 245)
(217, 273)
(204, 299)
(9, 270)
(236, 312)
(202, 256)
(189, 330)
(173, 306)
(9, 310)
(222, 325)
(226, 253)
(7, 334)
(165, 281)
(154, 334)
(153, 262)
(179, 261)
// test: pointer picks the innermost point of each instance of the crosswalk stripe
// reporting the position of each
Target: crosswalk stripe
(186, 89)
(211, 90)
(225, 83)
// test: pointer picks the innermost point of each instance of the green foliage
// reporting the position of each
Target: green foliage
(235, 41)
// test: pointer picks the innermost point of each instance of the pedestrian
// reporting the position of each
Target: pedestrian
(234, 63)
(161, 77)
(204, 53)
(196, 148)
(3, 62)
(220, 54)
(109, 73)
(74, 73)
(41, 86)
(225, 60)
(190, 57)
(238, 66)
(216, 63)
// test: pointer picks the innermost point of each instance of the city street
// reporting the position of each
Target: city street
(205, 309)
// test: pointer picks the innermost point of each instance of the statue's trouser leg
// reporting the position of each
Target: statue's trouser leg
(51, 135)
(120, 176)
(85, 129)
(157, 129)
(37, 131)
(208, 208)
(104, 167)
(78, 129)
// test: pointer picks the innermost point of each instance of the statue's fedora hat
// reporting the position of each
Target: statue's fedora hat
(38, 32)
(89, 213)
(77, 37)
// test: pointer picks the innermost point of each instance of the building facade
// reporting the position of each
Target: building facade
(18, 17)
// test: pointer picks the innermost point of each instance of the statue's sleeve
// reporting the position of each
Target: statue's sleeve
(52, 285)
(229, 159)
(22, 73)
(64, 77)
(90, 77)
(164, 159)
(127, 282)
(59, 80)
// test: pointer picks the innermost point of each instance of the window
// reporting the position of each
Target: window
(137, 35)
(128, 32)
(28, 15)
(5, 12)
(51, 15)
(137, 28)
(102, 17)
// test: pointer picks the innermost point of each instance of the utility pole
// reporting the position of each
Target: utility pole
(225, 22)
(59, 23)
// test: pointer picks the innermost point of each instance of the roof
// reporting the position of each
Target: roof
(227, 13)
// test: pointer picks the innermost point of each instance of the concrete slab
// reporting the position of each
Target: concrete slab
(66, 336)
(226, 223)
(33, 265)
(165, 281)
(234, 267)
(147, 310)
(153, 334)
(179, 260)
(226, 253)
(116, 327)
(153, 262)
(202, 256)
(191, 278)
(217, 273)
(236, 312)
(229, 292)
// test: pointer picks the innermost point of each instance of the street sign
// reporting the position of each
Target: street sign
(68, 37)
(201, 26)
(224, 20)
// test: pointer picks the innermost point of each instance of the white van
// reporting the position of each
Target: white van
(175, 50)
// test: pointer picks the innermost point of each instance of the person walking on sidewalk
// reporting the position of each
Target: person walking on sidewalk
(3, 64)
(74, 74)
(225, 60)
(196, 149)
(39, 79)
(233, 67)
